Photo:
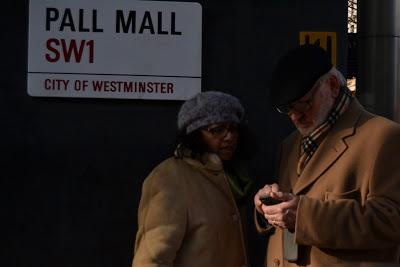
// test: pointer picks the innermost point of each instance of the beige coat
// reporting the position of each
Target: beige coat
(349, 209)
(188, 217)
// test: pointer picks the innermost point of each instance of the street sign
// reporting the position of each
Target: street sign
(114, 49)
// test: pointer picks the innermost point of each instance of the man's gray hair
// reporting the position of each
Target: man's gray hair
(335, 72)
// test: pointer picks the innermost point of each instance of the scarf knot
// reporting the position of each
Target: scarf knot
(310, 143)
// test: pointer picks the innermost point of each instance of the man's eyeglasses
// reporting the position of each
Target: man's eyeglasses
(221, 131)
(300, 106)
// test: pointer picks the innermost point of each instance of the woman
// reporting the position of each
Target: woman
(188, 213)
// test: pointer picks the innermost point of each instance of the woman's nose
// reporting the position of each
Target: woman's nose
(230, 135)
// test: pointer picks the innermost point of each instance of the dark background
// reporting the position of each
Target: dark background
(72, 169)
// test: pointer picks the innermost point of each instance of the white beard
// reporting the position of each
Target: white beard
(325, 108)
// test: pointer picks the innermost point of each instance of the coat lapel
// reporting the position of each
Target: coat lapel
(331, 148)
(290, 164)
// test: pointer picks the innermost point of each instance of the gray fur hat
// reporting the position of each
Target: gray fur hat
(207, 108)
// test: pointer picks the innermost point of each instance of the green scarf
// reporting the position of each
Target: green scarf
(239, 180)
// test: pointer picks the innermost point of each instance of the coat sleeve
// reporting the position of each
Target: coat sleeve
(261, 224)
(162, 221)
(346, 223)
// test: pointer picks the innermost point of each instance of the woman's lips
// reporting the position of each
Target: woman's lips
(227, 149)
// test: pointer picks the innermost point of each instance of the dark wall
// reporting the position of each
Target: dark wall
(72, 169)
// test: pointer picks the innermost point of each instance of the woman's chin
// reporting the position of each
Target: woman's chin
(226, 155)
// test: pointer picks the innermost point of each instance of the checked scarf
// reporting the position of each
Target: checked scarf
(310, 143)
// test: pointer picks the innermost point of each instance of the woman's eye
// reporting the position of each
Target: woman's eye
(217, 130)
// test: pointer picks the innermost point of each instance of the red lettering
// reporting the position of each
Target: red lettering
(97, 86)
(91, 50)
(128, 86)
(49, 45)
(106, 86)
(150, 87)
(142, 87)
(72, 49)
(170, 88)
(162, 89)
(47, 84)
(133, 87)
(56, 84)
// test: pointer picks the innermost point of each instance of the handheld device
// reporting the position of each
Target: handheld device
(269, 201)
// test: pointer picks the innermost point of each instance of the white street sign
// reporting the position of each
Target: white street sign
(114, 49)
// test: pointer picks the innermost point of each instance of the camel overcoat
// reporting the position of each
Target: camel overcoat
(188, 217)
(349, 209)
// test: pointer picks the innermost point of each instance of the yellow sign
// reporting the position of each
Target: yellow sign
(326, 40)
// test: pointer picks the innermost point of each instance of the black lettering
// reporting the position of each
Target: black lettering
(81, 18)
(67, 21)
(94, 22)
(159, 24)
(131, 23)
(147, 23)
(50, 17)
(173, 31)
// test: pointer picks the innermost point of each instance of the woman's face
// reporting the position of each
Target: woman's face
(221, 139)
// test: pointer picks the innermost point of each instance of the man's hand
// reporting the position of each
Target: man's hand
(281, 215)
(267, 191)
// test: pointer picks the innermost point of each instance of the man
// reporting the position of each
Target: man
(339, 173)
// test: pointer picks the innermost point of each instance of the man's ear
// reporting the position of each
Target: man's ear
(334, 86)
